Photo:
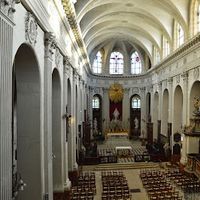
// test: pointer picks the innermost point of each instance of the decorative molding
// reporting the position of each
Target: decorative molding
(8, 7)
(67, 65)
(50, 44)
(135, 90)
(71, 16)
(170, 80)
(184, 76)
(31, 28)
(178, 79)
(196, 73)
(58, 58)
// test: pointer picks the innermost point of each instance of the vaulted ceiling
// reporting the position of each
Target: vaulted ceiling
(140, 22)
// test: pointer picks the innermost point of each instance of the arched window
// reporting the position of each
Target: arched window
(156, 56)
(166, 48)
(97, 64)
(95, 102)
(136, 66)
(116, 63)
(135, 102)
(179, 35)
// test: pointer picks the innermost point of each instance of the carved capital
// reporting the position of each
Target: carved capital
(50, 44)
(31, 28)
(184, 76)
(196, 73)
(8, 7)
(58, 58)
(170, 80)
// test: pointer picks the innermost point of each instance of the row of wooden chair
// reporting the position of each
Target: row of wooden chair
(158, 187)
(114, 186)
(86, 187)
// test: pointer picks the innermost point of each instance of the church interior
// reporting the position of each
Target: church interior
(99, 99)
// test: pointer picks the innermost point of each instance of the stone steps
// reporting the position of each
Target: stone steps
(123, 166)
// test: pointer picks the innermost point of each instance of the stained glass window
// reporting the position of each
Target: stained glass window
(97, 64)
(116, 63)
(136, 66)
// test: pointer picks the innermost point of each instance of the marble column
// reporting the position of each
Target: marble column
(49, 43)
(6, 41)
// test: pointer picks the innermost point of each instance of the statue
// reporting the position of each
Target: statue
(197, 106)
(116, 114)
(136, 123)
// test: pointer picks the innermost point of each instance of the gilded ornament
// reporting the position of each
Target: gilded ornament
(116, 93)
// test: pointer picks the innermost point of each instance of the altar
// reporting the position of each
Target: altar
(116, 134)
(124, 151)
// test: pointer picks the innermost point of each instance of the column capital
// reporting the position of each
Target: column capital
(170, 80)
(8, 7)
(184, 76)
(50, 44)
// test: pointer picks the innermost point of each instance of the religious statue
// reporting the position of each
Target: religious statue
(197, 105)
(136, 123)
(116, 114)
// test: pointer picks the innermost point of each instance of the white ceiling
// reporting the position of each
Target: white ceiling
(141, 22)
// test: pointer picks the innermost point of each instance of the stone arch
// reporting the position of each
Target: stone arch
(57, 142)
(178, 109)
(26, 123)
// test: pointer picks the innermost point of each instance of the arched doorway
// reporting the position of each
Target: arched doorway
(57, 142)
(165, 114)
(26, 124)
(135, 116)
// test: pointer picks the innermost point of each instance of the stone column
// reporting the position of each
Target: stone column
(6, 41)
(170, 113)
(67, 182)
(185, 149)
(159, 110)
(143, 109)
(49, 42)
(105, 110)
(125, 109)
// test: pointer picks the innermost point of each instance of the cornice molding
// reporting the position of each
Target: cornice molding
(70, 14)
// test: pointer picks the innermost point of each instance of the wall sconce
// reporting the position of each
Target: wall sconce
(18, 184)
